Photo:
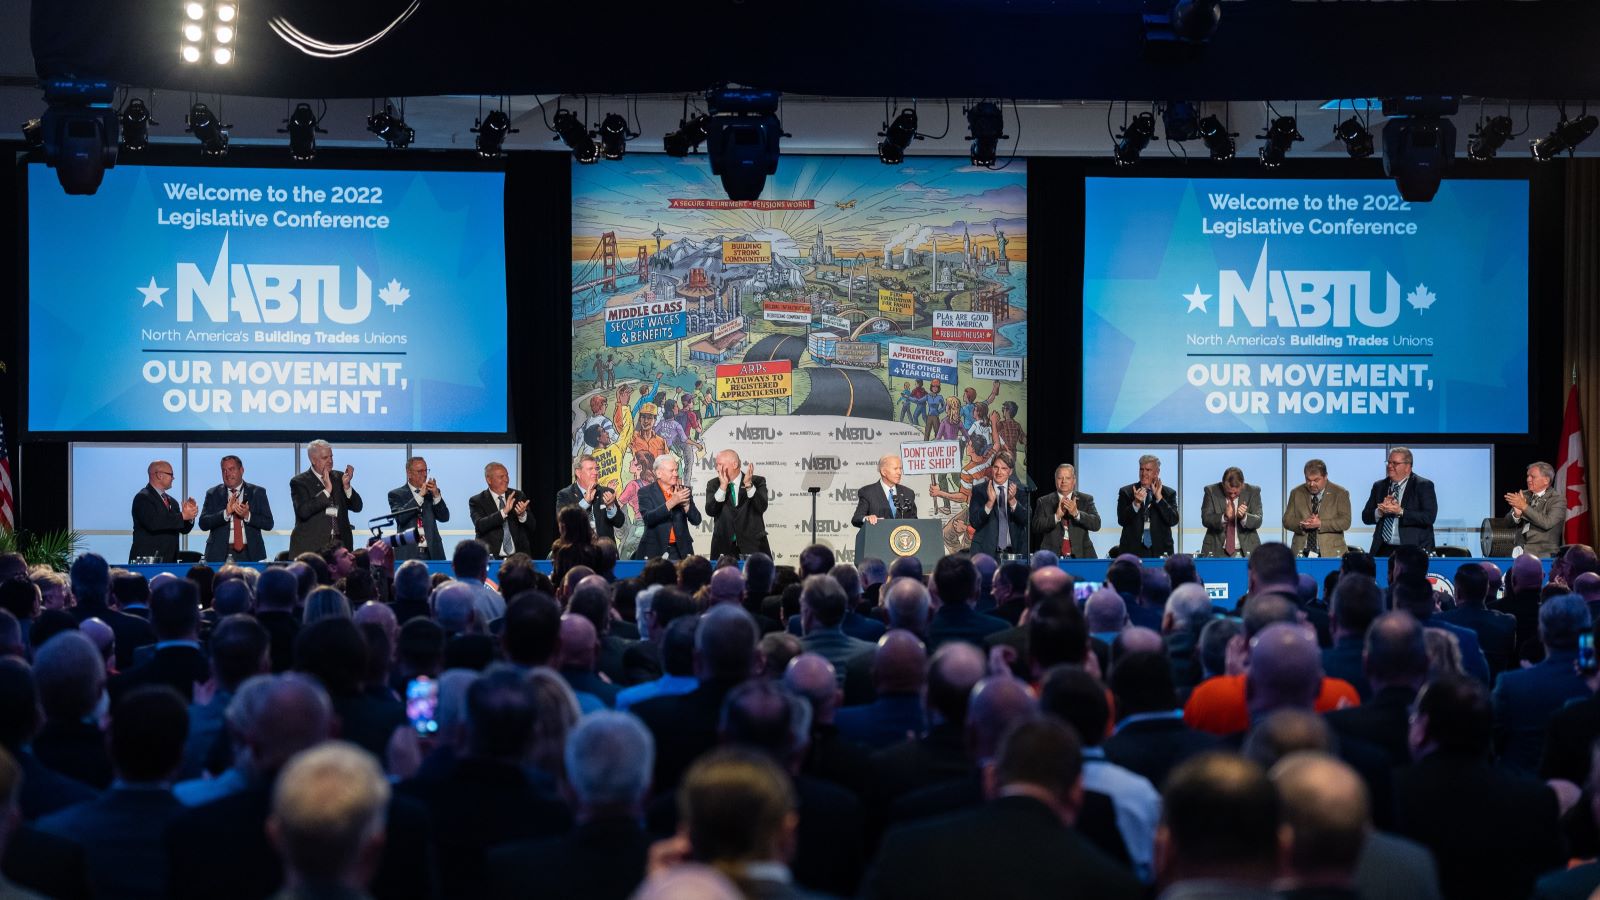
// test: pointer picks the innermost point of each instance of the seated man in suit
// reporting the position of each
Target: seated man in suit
(1231, 513)
(235, 512)
(1403, 505)
(419, 499)
(1063, 518)
(588, 494)
(667, 509)
(1539, 513)
(1147, 510)
(886, 498)
(998, 512)
(1317, 514)
(322, 502)
(158, 519)
(736, 501)
(500, 514)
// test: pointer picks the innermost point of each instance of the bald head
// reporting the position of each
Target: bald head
(99, 632)
(900, 664)
(295, 715)
(1325, 807)
(1137, 639)
(727, 585)
(1587, 586)
(996, 705)
(378, 614)
(1527, 573)
(811, 676)
(907, 601)
(1105, 611)
(1047, 582)
(579, 643)
(1285, 670)
(956, 668)
(1287, 731)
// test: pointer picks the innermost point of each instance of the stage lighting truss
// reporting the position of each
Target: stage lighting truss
(210, 32)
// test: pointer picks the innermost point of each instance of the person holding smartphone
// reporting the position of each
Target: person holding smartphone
(668, 511)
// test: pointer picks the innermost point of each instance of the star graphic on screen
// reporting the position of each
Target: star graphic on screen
(1197, 300)
(152, 294)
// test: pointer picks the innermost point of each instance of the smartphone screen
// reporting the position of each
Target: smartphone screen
(1588, 664)
(422, 705)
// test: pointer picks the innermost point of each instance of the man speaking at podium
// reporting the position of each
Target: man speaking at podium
(885, 498)
(418, 498)
(736, 501)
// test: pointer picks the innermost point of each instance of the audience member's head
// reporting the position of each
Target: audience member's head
(470, 560)
(325, 602)
(609, 758)
(21, 598)
(1079, 699)
(953, 671)
(1285, 670)
(500, 716)
(1272, 568)
(277, 590)
(1155, 586)
(811, 677)
(1219, 820)
(906, 567)
(1324, 806)
(823, 603)
(1358, 562)
(55, 590)
(327, 820)
(1284, 732)
(758, 575)
(455, 608)
(727, 586)
(1142, 683)
(556, 713)
(1058, 633)
(1356, 602)
(908, 602)
(70, 675)
(737, 806)
(725, 645)
(531, 629)
(333, 651)
(1105, 611)
(580, 646)
(591, 599)
(956, 580)
(1214, 641)
(91, 580)
(816, 559)
(694, 573)
(1396, 654)
(1181, 570)
(1452, 717)
(148, 727)
(1188, 609)
(233, 597)
(899, 664)
(778, 649)
(998, 704)
(1125, 577)
(1043, 559)
(762, 715)
(1561, 620)
(420, 648)
(129, 590)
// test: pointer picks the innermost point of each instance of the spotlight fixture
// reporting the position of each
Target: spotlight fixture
(690, 135)
(1356, 138)
(78, 132)
(1136, 136)
(136, 122)
(1180, 119)
(391, 127)
(742, 139)
(1491, 135)
(614, 136)
(570, 131)
(897, 136)
(1416, 153)
(1169, 22)
(1218, 139)
(986, 123)
(1566, 137)
(491, 131)
(302, 126)
(1280, 136)
(210, 31)
(210, 132)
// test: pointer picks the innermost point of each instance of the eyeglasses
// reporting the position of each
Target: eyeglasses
(168, 474)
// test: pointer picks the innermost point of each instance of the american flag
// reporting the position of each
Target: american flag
(8, 515)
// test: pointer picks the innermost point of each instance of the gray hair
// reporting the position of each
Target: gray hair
(492, 466)
(452, 708)
(1403, 451)
(907, 601)
(1545, 469)
(609, 757)
(249, 701)
(1562, 619)
(70, 673)
(325, 603)
(328, 803)
(1150, 458)
(318, 447)
(1316, 466)
(412, 580)
(1070, 468)
(663, 460)
(1190, 606)
(453, 603)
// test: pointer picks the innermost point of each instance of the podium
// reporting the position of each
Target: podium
(890, 539)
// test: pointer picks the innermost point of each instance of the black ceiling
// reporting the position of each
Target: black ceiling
(1264, 49)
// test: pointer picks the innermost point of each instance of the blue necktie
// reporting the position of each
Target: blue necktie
(1391, 524)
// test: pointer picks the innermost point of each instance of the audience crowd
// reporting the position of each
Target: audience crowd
(337, 727)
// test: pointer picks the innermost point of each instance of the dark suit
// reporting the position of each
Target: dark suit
(219, 543)
(45, 791)
(76, 749)
(604, 526)
(739, 528)
(872, 501)
(41, 862)
(911, 765)
(120, 832)
(1047, 529)
(432, 511)
(1492, 832)
(1161, 513)
(490, 523)
(660, 522)
(1383, 721)
(1213, 515)
(178, 666)
(157, 522)
(684, 727)
(886, 721)
(1567, 742)
(1419, 506)
(1496, 631)
(986, 524)
(1014, 847)
(1345, 660)
(1525, 700)
(1154, 747)
(128, 631)
(312, 530)
(220, 849)
(960, 622)
(602, 859)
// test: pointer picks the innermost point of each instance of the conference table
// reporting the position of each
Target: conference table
(1226, 580)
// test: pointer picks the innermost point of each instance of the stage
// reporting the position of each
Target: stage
(1226, 580)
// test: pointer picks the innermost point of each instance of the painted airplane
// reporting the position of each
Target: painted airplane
(847, 204)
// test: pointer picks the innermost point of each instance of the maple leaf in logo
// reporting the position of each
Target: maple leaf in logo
(1421, 298)
(394, 295)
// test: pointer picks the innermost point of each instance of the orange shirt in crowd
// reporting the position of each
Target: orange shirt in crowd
(1218, 706)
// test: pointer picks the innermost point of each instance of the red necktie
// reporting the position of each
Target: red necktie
(238, 532)
(166, 501)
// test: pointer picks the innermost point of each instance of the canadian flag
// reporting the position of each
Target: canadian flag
(1570, 480)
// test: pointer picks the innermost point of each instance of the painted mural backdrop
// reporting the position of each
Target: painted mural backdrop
(857, 309)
